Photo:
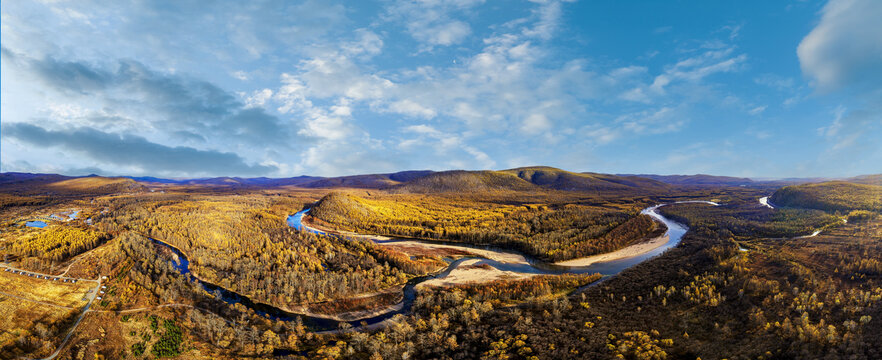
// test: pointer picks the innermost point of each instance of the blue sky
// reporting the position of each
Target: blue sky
(284, 88)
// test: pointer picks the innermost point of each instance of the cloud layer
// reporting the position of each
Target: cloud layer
(282, 88)
(134, 151)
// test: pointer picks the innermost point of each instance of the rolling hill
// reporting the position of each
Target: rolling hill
(698, 180)
(527, 179)
(24, 183)
(558, 179)
(831, 196)
(465, 181)
(867, 179)
(371, 181)
(230, 181)
(97, 185)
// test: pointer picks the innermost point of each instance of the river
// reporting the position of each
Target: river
(504, 260)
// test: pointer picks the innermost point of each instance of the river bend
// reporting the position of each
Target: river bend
(498, 258)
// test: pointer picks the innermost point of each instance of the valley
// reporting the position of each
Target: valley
(480, 264)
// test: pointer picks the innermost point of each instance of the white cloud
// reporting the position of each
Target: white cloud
(446, 146)
(844, 53)
(535, 123)
(848, 127)
(548, 21)
(333, 74)
(258, 98)
(368, 43)
(72, 15)
(445, 34)
(845, 48)
(757, 110)
(601, 134)
(411, 108)
(431, 22)
(691, 71)
(698, 67)
(663, 120)
(241, 75)
(326, 126)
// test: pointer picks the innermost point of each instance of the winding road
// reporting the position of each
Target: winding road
(92, 294)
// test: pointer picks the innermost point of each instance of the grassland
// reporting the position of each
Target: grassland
(45, 291)
(36, 312)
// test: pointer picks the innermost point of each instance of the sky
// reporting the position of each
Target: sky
(760, 89)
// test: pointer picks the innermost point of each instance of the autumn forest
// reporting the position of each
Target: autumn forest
(528, 263)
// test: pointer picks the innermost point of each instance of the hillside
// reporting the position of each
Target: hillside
(97, 184)
(12, 178)
(867, 179)
(24, 183)
(528, 179)
(698, 180)
(339, 208)
(558, 179)
(231, 181)
(465, 181)
(373, 181)
(831, 196)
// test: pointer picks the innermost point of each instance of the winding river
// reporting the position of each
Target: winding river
(504, 260)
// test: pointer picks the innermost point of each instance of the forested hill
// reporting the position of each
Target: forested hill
(368, 181)
(528, 179)
(371, 181)
(831, 196)
(698, 180)
(867, 179)
(465, 181)
(21, 183)
(564, 180)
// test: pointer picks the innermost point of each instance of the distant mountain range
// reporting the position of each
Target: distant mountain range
(699, 179)
(523, 179)
(714, 180)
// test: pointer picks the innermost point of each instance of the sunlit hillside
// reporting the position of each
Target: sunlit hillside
(832, 196)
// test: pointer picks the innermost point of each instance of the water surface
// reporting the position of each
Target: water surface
(36, 224)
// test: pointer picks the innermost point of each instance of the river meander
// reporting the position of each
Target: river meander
(501, 259)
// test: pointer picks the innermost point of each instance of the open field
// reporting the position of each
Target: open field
(37, 312)
(46, 291)
(30, 327)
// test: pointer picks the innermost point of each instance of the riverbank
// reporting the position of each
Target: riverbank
(416, 247)
(474, 264)
(623, 253)
(473, 271)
